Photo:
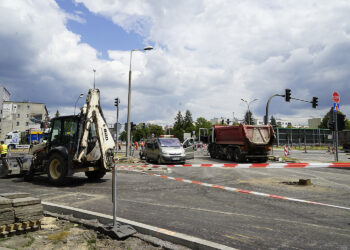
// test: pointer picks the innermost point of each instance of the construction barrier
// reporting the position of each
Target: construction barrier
(253, 165)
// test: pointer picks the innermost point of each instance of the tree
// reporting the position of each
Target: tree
(188, 122)
(248, 118)
(156, 130)
(178, 128)
(122, 136)
(273, 121)
(57, 113)
(341, 119)
(201, 122)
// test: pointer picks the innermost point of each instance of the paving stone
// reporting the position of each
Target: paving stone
(4, 202)
(29, 212)
(7, 216)
(14, 195)
(25, 201)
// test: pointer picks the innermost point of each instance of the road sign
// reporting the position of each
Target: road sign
(336, 107)
(336, 97)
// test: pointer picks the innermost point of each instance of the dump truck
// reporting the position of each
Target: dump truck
(75, 143)
(241, 143)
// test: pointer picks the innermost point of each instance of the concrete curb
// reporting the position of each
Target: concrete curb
(161, 233)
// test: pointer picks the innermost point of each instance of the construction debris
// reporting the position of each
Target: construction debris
(18, 212)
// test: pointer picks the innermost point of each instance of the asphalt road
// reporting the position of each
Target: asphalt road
(238, 220)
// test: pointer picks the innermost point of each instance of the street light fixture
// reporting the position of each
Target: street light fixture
(128, 134)
(81, 95)
(248, 104)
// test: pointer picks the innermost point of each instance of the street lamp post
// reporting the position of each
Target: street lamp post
(81, 95)
(128, 132)
(248, 104)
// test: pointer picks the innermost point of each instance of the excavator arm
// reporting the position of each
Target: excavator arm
(104, 148)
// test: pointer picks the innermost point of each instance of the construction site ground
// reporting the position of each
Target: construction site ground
(63, 234)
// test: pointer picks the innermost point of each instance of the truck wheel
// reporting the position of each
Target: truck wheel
(95, 175)
(230, 155)
(57, 170)
(262, 159)
(237, 157)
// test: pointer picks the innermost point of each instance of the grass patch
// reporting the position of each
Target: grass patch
(30, 241)
(68, 226)
(4, 239)
(56, 237)
(286, 158)
(92, 243)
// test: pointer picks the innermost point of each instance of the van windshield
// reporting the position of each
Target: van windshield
(173, 142)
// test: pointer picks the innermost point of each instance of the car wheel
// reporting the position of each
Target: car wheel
(159, 161)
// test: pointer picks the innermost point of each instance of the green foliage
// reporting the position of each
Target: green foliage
(201, 122)
(178, 128)
(273, 121)
(30, 241)
(156, 130)
(248, 118)
(122, 136)
(325, 120)
(57, 113)
(347, 124)
(188, 122)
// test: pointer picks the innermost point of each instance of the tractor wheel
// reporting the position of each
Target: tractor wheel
(57, 170)
(95, 175)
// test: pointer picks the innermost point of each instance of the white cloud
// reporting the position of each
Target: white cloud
(209, 55)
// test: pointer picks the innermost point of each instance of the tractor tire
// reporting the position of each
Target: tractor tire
(3, 171)
(57, 170)
(95, 175)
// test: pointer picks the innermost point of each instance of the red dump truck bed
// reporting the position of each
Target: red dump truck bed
(241, 134)
(241, 143)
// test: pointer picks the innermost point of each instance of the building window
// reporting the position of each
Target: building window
(17, 123)
(28, 107)
(27, 115)
(18, 116)
(18, 106)
(27, 124)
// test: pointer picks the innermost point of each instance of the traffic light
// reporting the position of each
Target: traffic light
(331, 125)
(340, 121)
(287, 95)
(143, 125)
(314, 102)
(132, 126)
(222, 122)
(116, 102)
(228, 121)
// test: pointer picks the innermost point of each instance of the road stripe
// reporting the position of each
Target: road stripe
(232, 189)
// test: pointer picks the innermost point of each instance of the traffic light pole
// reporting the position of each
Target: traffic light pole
(335, 114)
(267, 108)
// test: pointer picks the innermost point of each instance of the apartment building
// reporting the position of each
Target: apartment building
(21, 116)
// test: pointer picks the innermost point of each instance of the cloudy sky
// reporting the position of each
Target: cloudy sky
(208, 54)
